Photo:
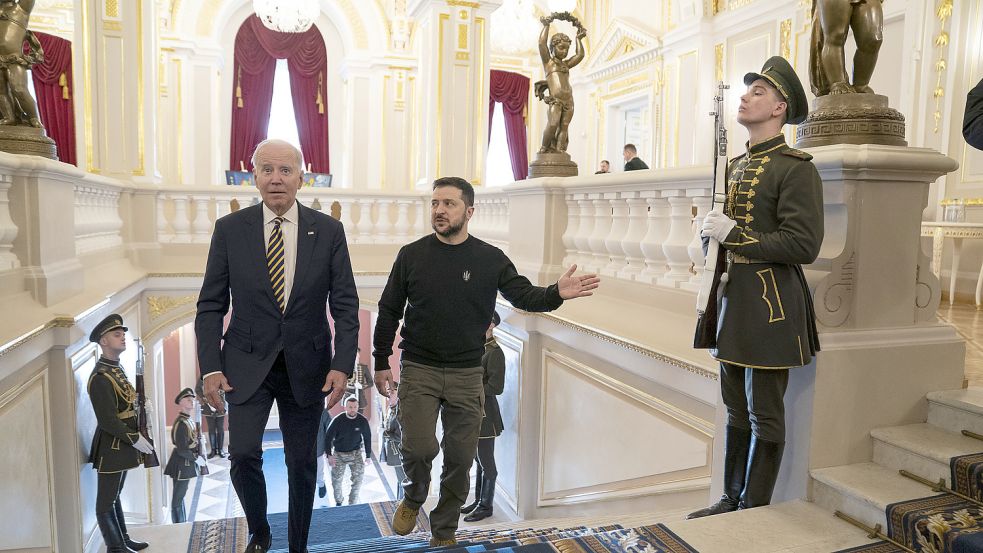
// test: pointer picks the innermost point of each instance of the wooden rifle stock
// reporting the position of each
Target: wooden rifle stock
(150, 460)
(203, 469)
(715, 264)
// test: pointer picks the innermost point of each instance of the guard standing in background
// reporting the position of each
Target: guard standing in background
(185, 460)
(117, 446)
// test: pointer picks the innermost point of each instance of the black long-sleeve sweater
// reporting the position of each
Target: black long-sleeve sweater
(448, 293)
(343, 434)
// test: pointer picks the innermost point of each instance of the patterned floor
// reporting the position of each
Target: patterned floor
(213, 498)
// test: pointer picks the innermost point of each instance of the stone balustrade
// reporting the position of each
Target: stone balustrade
(97, 217)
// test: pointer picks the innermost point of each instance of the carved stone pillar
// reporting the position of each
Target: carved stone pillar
(619, 226)
(632, 243)
(657, 231)
(676, 246)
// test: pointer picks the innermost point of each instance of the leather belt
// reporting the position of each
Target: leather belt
(738, 258)
(129, 413)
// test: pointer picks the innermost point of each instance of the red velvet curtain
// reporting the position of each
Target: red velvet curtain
(256, 51)
(512, 91)
(53, 87)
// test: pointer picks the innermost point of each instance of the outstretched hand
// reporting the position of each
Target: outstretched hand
(579, 286)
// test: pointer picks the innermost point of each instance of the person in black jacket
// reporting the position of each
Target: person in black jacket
(342, 441)
(973, 119)
(491, 427)
(632, 161)
(185, 459)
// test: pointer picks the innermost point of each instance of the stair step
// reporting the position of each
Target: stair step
(957, 410)
(863, 490)
(790, 527)
(923, 449)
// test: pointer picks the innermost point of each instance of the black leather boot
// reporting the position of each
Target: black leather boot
(762, 472)
(477, 493)
(134, 545)
(736, 446)
(485, 503)
(111, 533)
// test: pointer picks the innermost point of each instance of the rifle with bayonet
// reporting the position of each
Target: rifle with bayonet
(203, 465)
(150, 460)
(715, 264)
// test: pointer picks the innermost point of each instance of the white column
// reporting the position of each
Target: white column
(573, 224)
(702, 205)
(8, 230)
(657, 231)
(364, 224)
(582, 239)
(345, 205)
(632, 243)
(201, 227)
(602, 224)
(162, 229)
(383, 223)
(180, 223)
(619, 226)
(402, 226)
(676, 246)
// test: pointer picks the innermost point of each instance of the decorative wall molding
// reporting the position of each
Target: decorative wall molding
(159, 305)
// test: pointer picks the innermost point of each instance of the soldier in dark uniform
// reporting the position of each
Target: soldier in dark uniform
(493, 361)
(216, 424)
(186, 457)
(772, 224)
(117, 446)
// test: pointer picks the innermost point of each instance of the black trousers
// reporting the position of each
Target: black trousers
(299, 424)
(216, 433)
(177, 501)
(486, 458)
(108, 486)
(755, 400)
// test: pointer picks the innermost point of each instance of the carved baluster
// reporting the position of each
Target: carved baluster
(702, 205)
(632, 243)
(402, 226)
(657, 231)
(602, 225)
(676, 246)
(364, 224)
(163, 232)
(584, 230)
(383, 224)
(612, 242)
(201, 227)
(573, 224)
(181, 223)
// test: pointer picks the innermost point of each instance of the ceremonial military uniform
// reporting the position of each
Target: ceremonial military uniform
(182, 465)
(493, 362)
(767, 320)
(216, 424)
(112, 453)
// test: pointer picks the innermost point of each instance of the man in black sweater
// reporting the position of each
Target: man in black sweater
(342, 442)
(448, 282)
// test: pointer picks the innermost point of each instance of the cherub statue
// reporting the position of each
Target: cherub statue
(17, 106)
(831, 22)
(557, 82)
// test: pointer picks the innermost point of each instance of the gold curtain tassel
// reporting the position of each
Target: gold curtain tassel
(320, 99)
(239, 88)
(63, 83)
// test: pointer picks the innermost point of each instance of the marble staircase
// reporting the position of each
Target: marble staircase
(864, 490)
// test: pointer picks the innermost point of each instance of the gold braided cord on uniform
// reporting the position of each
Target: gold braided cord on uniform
(128, 393)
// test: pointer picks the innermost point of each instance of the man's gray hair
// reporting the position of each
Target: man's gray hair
(278, 142)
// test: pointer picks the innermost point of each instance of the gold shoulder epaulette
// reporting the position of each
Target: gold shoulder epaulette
(797, 154)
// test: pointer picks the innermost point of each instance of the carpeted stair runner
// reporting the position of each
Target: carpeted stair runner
(943, 523)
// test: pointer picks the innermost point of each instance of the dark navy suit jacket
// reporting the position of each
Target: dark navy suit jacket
(236, 272)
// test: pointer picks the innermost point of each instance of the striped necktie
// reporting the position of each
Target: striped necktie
(274, 261)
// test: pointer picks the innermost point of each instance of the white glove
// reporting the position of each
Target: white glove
(717, 225)
(200, 462)
(143, 446)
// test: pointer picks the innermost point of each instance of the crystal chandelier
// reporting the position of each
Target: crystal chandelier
(287, 16)
(515, 28)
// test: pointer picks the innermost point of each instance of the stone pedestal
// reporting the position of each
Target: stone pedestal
(18, 139)
(554, 164)
(851, 119)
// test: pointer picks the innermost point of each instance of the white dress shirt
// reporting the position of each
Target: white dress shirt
(289, 230)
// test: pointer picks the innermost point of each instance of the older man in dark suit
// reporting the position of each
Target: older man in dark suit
(279, 264)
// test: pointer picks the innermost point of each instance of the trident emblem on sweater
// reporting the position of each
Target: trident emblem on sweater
(466, 276)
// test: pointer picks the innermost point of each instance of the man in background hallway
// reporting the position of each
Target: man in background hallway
(632, 161)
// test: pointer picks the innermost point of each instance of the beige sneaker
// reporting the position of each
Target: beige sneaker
(404, 519)
(437, 542)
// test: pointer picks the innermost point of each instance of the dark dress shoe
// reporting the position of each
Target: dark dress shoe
(212, 454)
(259, 544)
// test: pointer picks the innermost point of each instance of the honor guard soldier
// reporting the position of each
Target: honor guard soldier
(216, 423)
(117, 446)
(771, 225)
(185, 458)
